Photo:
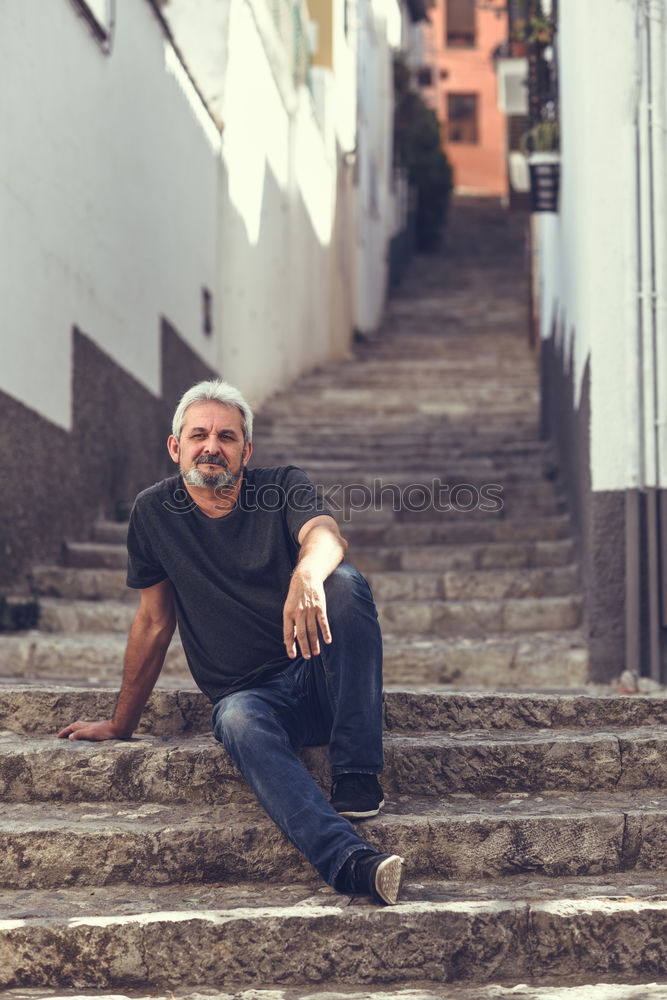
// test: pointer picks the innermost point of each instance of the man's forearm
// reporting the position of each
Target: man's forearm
(322, 550)
(147, 646)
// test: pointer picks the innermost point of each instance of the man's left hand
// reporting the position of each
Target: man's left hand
(305, 609)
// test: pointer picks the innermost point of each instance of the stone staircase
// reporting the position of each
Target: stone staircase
(532, 807)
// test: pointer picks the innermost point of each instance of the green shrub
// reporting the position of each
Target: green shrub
(417, 147)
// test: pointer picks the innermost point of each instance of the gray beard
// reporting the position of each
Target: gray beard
(211, 480)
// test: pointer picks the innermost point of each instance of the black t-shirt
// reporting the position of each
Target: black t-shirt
(230, 574)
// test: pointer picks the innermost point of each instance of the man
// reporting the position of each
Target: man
(279, 633)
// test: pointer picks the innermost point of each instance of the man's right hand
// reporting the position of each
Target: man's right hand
(104, 730)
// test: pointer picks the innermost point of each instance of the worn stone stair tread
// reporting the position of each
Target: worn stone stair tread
(473, 584)
(553, 930)
(197, 769)
(477, 617)
(492, 555)
(33, 707)
(510, 659)
(414, 991)
(550, 527)
(554, 834)
(85, 555)
(47, 653)
(459, 529)
(473, 556)
(122, 900)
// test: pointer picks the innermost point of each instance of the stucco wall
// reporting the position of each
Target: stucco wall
(108, 199)
(588, 305)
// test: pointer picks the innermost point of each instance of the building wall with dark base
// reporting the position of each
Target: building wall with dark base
(598, 517)
(58, 482)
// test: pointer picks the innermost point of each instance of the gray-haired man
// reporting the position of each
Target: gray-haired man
(279, 633)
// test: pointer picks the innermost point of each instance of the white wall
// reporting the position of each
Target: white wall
(278, 256)
(121, 199)
(587, 253)
(379, 36)
(108, 198)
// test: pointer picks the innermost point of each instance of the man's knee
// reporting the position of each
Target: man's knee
(238, 717)
(345, 585)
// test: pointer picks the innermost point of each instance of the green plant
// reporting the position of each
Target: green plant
(534, 26)
(544, 137)
(418, 148)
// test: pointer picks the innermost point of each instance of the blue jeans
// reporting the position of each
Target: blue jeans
(333, 698)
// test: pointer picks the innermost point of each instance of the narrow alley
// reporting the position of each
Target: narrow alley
(530, 806)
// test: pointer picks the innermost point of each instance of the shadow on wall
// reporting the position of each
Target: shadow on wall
(58, 482)
(279, 277)
(598, 517)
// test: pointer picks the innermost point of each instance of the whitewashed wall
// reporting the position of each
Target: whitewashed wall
(588, 251)
(120, 199)
(108, 198)
(278, 316)
(379, 35)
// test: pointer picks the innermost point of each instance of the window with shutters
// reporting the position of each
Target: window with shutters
(460, 24)
(462, 113)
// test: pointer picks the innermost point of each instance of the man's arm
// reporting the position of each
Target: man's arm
(147, 644)
(322, 549)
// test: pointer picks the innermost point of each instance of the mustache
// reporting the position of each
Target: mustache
(211, 460)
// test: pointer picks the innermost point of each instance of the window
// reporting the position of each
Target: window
(462, 118)
(425, 76)
(460, 24)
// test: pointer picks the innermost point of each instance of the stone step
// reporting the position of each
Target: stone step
(538, 660)
(38, 709)
(372, 468)
(325, 439)
(457, 529)
(81, 584)
(96, 555)
(72, 615)
(446, 618)
(423, 991)
(534, 660)
(548, 931)
(492, 555)
(486, 584)
(89, 656)
(149, 844)
(477, 617)
(196, 769)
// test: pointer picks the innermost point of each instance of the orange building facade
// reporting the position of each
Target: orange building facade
(458, 81)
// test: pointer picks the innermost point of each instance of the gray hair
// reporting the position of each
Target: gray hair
(215, 391)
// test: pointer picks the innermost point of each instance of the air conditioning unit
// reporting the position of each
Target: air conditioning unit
(513, 85)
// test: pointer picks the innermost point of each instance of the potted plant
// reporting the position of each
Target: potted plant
(541, 147)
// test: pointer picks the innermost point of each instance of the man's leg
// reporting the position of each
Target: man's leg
(257, 727)
(353, 676)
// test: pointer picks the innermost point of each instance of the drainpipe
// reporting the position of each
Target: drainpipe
(652, 381)
(659, 289)
(634, 368)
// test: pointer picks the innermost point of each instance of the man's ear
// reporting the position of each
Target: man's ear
(173, 448)
(247, 452)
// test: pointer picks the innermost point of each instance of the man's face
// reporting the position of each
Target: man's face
(210, 453)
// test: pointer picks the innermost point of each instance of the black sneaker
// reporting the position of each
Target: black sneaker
(376, 875)
(357, 796)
